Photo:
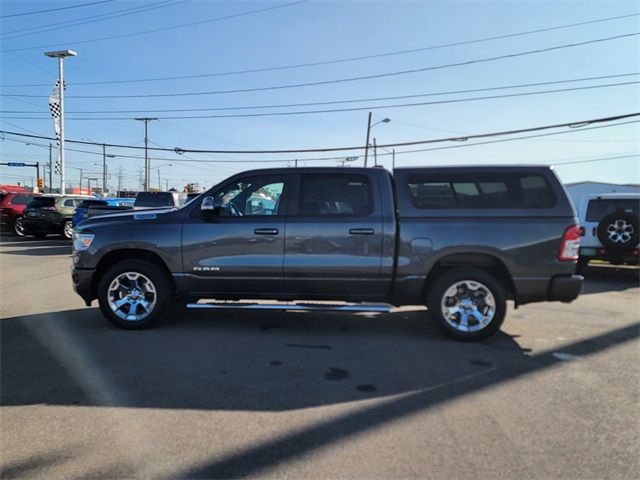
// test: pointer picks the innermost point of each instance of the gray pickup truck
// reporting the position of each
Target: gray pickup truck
(460, 240)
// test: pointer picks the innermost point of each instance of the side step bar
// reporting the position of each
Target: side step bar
(346, 307)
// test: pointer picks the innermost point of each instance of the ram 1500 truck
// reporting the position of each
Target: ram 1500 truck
(460, 240)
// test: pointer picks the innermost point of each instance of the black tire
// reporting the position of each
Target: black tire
(619, 231)
(163, 294)
(67, 229)
(40, 235)
(460, 276)
(18, 227)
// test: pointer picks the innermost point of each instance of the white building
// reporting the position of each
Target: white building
(578, 190)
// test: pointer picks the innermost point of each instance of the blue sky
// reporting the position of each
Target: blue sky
(316, 31)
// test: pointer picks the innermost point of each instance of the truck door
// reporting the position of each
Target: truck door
(334, 240)
(241, 250)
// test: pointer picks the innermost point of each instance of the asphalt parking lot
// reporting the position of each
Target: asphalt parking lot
(322, 395)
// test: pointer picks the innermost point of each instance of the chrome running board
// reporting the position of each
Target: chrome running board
(347, 307)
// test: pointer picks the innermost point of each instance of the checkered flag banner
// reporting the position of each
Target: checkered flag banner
(54, 106)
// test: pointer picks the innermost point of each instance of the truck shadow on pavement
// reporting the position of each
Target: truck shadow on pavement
(236, 360)
(243, 360)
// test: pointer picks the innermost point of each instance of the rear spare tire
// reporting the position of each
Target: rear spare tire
(619, 231)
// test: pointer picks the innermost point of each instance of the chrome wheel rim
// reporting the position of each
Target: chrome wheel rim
(131, 296)
(18, 227)
(68, 229)
(468, 306)
(620, 231)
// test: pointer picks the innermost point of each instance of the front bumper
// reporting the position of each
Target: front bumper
(565, 288)
(82, 279)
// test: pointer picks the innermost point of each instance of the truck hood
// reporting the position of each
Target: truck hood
(146, 214)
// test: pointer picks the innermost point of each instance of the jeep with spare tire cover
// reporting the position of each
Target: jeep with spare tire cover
(460, 240)
(609, 224)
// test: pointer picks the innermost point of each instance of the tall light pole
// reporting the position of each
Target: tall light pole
(369, 126)
(60, 55)
(146, 121)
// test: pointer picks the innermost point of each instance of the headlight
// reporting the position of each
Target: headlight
(82, 241)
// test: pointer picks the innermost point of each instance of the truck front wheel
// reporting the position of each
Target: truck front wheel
(134, 294)
(467, 304)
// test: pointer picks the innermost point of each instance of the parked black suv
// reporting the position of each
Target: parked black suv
(462, 240)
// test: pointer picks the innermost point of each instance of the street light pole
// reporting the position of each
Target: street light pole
(60, 55)
(146, 121)
(369, 125)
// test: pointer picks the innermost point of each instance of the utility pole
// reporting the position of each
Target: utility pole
(104, 170)
(119, 180)
(166, 180)
(375, 153)
(393, 159)
(146, 121)
(159, 184)
(50, 170)
(81, 170)
(366, 145)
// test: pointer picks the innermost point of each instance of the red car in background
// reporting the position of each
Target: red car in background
(12, 206)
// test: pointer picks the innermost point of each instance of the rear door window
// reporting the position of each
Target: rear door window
(334, 195)
(149, 199)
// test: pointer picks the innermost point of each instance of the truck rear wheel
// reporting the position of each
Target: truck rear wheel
(467, 304)
(134, 294)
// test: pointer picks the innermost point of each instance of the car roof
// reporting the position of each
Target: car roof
(616, 195)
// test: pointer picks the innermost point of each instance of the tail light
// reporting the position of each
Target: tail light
(582, 231)
(570, 244)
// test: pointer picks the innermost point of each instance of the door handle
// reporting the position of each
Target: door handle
(361, 231)
(266, 231)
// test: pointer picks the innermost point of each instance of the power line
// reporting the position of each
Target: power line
(55, 9)
(350, 109)
(348, 59)
(352, 79)
(574, 124)
(513, 139)
(126, 35)
(314, 159)
(90, 19)
(335, 102)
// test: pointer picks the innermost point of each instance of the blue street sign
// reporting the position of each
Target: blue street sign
(14, 164)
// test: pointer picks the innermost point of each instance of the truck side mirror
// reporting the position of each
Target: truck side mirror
(207, 205)
(209, 209)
